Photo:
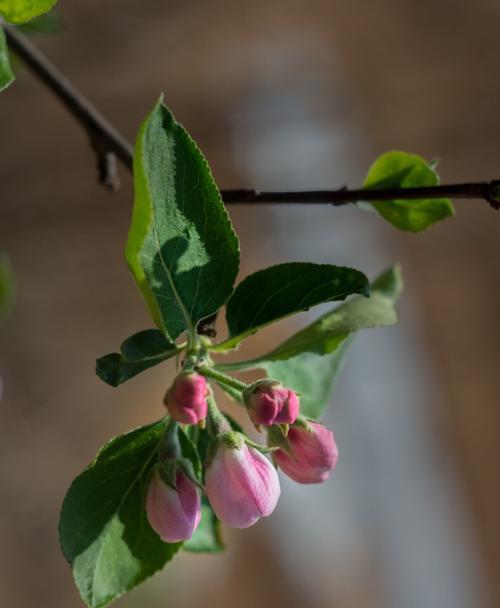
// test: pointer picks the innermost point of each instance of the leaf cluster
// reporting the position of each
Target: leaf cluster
(184, 256)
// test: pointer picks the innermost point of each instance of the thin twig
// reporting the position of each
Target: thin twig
(489, 191)
(107, 142)
(104, 138)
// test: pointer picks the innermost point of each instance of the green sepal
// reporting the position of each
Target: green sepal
(167, 469)
(276, 439)
(262, 448)
(168, 472)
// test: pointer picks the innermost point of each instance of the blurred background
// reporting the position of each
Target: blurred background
(279, 95)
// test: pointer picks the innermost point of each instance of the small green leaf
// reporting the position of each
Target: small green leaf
(403, 170)
(310, 361)
(138, 353)
(104, 532)
(6, 73)
(181, 247)
(280, 291)
(207, 538)
(389, 284)
(20, 11)
(7, 286)
(48, 23)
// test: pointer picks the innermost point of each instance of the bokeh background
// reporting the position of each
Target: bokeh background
(282, 94)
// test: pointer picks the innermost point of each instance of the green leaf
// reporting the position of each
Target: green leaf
(104, 532)
(403, 170)
(181, 247)
(7, 286)
(280, 291)
(20, 11)
(309, 362)
(311, 375)
(207, 538)
(48, 23)
(138, 353)
(6, 73)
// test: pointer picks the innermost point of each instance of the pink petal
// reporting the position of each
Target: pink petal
(174, 515)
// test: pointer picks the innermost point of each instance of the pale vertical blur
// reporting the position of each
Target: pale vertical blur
(283, 94)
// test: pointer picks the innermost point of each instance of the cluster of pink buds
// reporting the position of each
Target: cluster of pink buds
(241, 484)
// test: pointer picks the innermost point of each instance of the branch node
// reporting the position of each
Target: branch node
(206, 327)
(107, 166)
(492, 194)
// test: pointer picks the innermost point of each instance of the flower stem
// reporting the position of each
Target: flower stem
(217, 422)
(220, 378)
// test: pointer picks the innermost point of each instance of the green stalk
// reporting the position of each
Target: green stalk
(220, 378)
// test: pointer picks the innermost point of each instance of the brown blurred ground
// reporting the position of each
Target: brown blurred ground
(420, 77)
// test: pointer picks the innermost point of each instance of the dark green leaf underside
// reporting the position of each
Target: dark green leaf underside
(138, 353)
(280, 291)
(181, 247)
(403, 170)
(104, 531)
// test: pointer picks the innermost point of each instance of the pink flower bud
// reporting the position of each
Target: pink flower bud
(313, 454)
(269, 403)
(242, 485)
(186, 399)
(173, 514)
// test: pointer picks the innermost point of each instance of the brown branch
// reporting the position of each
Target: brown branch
(105, 140)
(489, 191)
(109, 145)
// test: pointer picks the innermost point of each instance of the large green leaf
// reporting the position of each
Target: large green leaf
(139, 352)
(280, 291)
(403, 170)
(6, 73)
(181, 247)
(20, 11)
(310, 361)
(104, 531)
(329, 331)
